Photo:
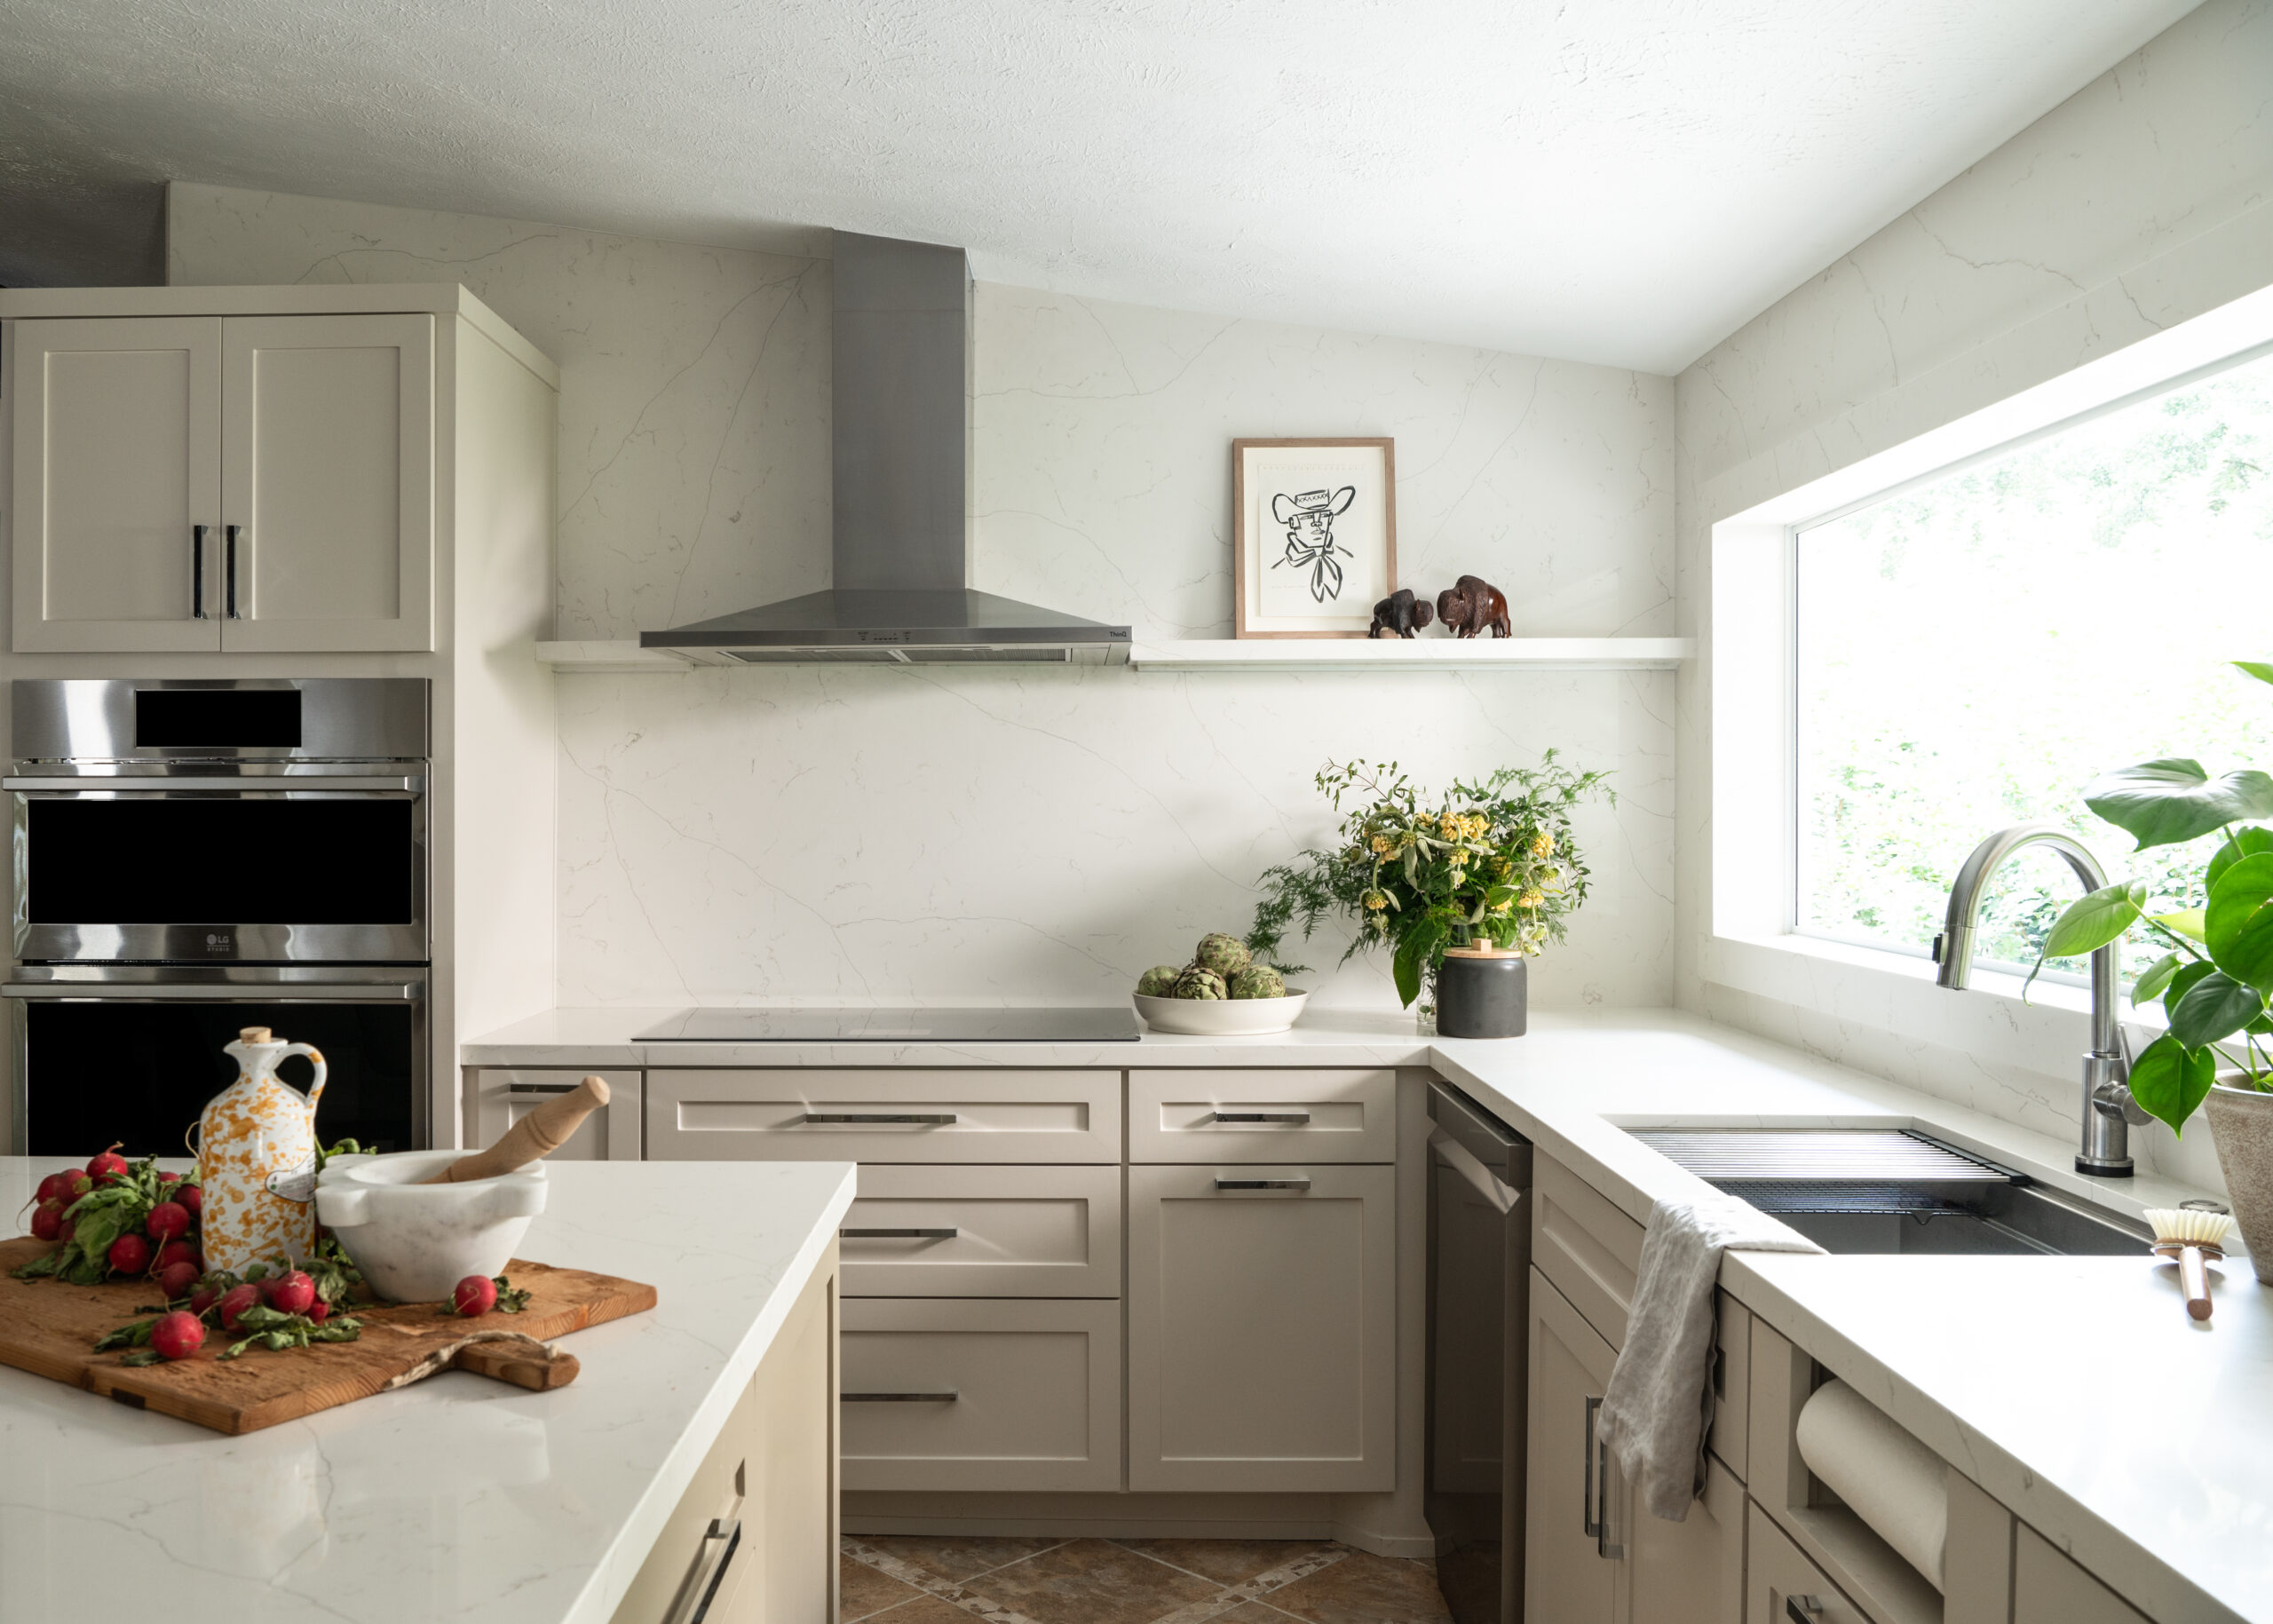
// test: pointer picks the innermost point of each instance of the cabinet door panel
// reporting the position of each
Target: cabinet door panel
(1780, 1582)
(1258, 1115)
(118, 458)
(1567, 1577)
(1261, 1334)
(959, 1231)
(502, 1095)
(328, 476)
(765, 1113)
(1023, 1394)
(2049, 1588)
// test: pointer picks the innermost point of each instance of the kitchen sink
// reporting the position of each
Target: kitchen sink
(1895, 1190)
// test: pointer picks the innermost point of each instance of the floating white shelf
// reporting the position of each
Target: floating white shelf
(1415, 654)
(624, 656)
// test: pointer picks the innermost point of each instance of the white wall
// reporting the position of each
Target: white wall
(1004, 833)
(2144, 200)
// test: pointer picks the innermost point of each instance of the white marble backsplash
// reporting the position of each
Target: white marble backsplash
(1007, 833)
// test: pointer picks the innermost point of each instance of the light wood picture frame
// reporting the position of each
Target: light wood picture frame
(1313, 535)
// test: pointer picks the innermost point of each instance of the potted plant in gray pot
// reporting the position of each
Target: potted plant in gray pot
(2215, 979)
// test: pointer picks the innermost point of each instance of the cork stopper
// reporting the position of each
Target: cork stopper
(254, 1035)
(1483, 949)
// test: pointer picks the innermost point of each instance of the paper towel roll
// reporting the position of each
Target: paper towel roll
(1888, 1479)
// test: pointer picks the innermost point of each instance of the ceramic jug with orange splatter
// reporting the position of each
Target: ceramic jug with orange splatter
(257, 1157)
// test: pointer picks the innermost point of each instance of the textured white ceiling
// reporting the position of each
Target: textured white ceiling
(1625, 181)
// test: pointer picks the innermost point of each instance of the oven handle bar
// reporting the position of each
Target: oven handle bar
(234, 991)
(157, 784)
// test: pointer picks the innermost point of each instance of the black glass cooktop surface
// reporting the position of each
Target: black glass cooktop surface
(938, 1026)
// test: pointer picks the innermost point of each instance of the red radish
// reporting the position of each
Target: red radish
(319, 1311)
(475, 1295)
(169, 1178)
(60, 1186)
(180, 1252)
(107, 1164)
(191, 1198)
(167, 1220)
(290, 1293)
(235, 1302)
(130, 1254)
(47, 1221)
(203, 1297)
(177, 1336)
(69, 1227)
(178, 1280)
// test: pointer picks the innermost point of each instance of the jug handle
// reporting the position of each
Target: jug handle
(315, 1058)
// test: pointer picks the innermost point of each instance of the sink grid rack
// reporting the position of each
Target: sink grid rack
(1833, 1170)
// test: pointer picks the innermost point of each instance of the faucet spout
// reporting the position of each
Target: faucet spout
(2104, 1151)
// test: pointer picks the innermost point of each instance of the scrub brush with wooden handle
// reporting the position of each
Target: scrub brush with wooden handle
(2194, 1238)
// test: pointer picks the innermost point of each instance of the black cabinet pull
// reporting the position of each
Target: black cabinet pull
(229, 569)
(197, 571)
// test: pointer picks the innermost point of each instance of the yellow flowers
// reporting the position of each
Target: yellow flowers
(1501, 907)
(1383, 845)
(1542, 845)
(1531, 898)
(1375, 901)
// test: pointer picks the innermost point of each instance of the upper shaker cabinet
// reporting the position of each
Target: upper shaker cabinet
(254, 484)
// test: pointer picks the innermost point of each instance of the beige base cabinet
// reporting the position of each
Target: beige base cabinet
(1570, 1571)
(2048, 1589)
(1262, 1327)
(981, 1394)
(257, 484)
(750, 1541)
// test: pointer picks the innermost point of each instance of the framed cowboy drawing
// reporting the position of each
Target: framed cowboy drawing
(1313, 535)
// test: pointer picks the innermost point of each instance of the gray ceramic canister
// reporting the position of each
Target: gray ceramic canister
(1481, 994)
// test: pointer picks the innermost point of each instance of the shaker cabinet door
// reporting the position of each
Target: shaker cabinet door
(118, 485)
(328, 483)
(1262, 1327)
(1571, 1560)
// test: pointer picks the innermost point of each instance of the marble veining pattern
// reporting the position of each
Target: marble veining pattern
(999, 834)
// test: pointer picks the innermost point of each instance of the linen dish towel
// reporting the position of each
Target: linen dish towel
(1660, 1394)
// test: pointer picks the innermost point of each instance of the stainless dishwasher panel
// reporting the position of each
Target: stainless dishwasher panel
(498, 1096)
(1480, 1264)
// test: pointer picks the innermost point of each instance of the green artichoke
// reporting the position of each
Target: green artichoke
(1159, 981)
(1226, 955)
(1258, 981)
(1199, 982)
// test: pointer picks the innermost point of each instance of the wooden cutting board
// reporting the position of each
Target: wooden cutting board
(50, 1327)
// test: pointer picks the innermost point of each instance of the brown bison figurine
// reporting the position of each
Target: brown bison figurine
(1471, 604)
(1399, 614)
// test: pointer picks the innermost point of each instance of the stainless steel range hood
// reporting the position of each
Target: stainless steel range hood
(900, 542)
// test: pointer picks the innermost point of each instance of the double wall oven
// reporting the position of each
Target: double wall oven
(193, 857)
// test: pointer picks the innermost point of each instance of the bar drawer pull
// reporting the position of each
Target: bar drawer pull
(197, 571)
(229, 569)
(1587, 1525)
(538, 1090)
(720, 1541)
(898, 1235)
(948, 1396)
(1295, 1117)
(1802, 1609)
(897, 1118)
(1263, 1183)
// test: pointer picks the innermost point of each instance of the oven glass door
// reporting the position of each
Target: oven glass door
(272, 876)
(138, 1067)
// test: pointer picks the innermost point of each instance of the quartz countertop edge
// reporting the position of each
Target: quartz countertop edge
(2160, 1493)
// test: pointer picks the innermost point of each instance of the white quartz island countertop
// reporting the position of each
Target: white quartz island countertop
(2074, 1389)
(459, 1499)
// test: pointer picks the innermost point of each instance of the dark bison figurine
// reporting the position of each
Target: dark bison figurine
(1471, 604)
(1398, 613)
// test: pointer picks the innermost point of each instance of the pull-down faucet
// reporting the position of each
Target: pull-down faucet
(2109, 1109)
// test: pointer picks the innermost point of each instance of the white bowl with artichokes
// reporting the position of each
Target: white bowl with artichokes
(1221, 993)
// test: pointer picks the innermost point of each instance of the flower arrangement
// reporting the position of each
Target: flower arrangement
(1493, 860)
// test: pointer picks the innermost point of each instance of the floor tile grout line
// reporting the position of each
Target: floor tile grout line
(1268, 1582)
(947, 1590)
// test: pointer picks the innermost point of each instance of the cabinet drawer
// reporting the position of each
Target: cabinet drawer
(1781, 1584)
(1217, 1116)
(498, 1096)
(1027, 1394)
(795, 1114)
(1588, 1247)
(984, 1233)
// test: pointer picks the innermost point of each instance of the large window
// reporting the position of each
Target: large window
(1975, 648)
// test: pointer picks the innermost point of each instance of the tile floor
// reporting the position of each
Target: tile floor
(902, 1579)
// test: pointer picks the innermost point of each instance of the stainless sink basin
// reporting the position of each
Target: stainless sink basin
(1886, 1191)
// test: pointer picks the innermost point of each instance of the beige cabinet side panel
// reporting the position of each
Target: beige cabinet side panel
(1978, 1556)
(328, 475)
(1006, 1394)
(116, 459)
(1567, 1577)
(2049, 1588)
(789, 1510)
(936, 1229)
(1590, 1250)
(765, 1113)
(1263, 1328)
(1262, 1114)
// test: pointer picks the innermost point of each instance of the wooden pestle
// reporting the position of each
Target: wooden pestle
(536, 1136)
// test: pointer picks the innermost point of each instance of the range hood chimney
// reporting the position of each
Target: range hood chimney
(900, 536)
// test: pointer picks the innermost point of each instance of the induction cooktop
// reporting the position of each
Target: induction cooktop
(863, 1025)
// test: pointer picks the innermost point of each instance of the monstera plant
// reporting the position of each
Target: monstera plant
(2215, 979)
